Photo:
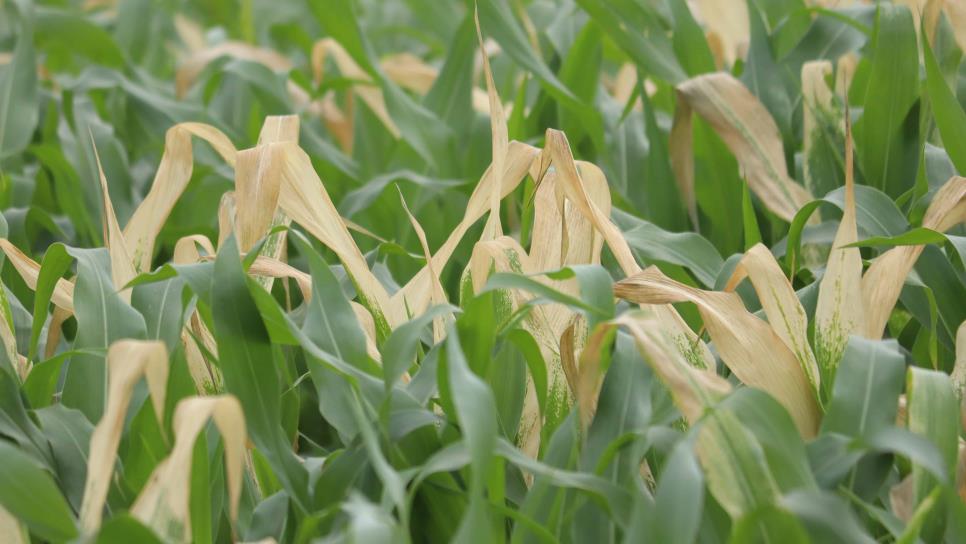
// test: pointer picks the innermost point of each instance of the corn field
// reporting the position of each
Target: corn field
(489, 271)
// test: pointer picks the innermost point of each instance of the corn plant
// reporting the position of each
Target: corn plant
(488, 271)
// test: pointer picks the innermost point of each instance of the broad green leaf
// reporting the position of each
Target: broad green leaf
(248, 363)
(932, 412)
(102, 318)
(865, 397)
(18, 89)
(887, 134)
(950, 118)
(28, 492)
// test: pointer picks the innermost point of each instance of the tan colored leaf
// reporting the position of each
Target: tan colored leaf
(499, 135)
(437, 294)
(692, 387)
(186, 249)
(747, 129)
(169, 183)
(304, 199)
(883, 280)
(782, 307)
(902, 497)
(226, 216)
(958, 377)
(748, 345)
(189, 69)
(29, 270)
(257, 184)
(12, 530)
(164, 501)
(127, 362)
(840, 312)
(9, 338)
(415, 295)
(956, 12)
(365, 90)
(122, 265)
(729, 23)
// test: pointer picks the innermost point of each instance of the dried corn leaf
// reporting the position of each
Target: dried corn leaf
(415, 295)
(163, 503)
(499, 136)
(729, 24)
(186, 249)
(257, 184)
(189, 69)
(122, 265)
(174, 173)
(748, 345)
(29, 270)
(883, 280)
(437, 294)
(958, 377)
(840, 312)
(366, 90)
(692, 387)
(303, 198)
(782, 307)
(127, 362)
(747, 129)
(12, 530)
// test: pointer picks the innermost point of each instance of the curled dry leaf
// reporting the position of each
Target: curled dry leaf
(163, 503)
(415, 295)
(122, 265)
(747, 129)
(692, 386)
(127, 362)
(883, 281)
(498, 133)
(748, 345)
(366, 90)
(728, 24)
(174, 173)
(303, 198)
(782, 307)
(12, 530)
(437, 294)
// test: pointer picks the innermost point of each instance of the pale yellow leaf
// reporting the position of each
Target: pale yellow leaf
(127, 362)
(840, 311)
(122, 264)
(692, 387)
(163, 503)
(29, 270)
(882, 282)
(782, 307)
(748, 345)
(748, 130)
(170, 181)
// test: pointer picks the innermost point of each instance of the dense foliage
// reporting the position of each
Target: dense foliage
(527, 270)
